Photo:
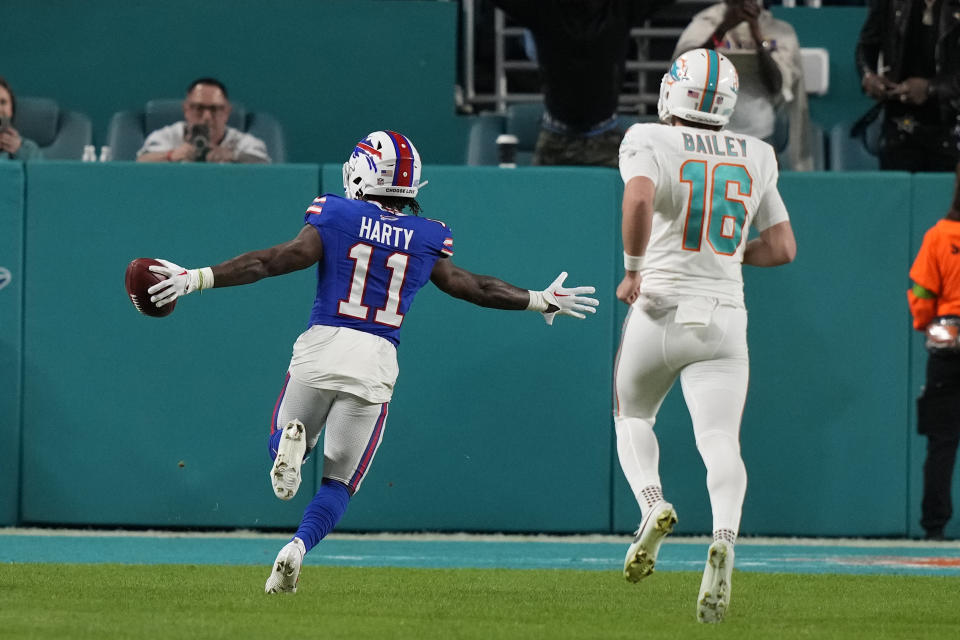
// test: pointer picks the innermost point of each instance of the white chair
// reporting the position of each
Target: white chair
(816, 69)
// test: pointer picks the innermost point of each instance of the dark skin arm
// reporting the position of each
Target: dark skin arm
(868, 48)
(748, 11)
(484, 291)
(303, 251)
(307, 249)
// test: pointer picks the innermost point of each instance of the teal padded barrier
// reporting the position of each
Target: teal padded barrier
(330, 71)
(930, 199)
(114, 401)
(499, 422)
(824, 429)
(11, 315)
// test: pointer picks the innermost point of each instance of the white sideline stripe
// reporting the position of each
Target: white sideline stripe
(471, 537)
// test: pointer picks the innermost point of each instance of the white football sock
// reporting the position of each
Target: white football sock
(726, 478)
(639, 455)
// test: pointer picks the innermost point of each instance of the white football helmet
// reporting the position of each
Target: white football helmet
(385, 163)
(701, 86)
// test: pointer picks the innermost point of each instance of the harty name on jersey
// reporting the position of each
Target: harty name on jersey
(383, 233)
(710, 144)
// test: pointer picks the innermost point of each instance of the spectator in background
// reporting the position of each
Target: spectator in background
(12, 146)
(581, 50)
(203, 134)
(766, 53)
(919, 86)
(935, 306)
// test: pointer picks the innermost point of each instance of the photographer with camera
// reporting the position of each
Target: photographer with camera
(203, 134)
(12, 146)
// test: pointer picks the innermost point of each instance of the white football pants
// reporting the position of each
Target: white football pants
(709, 353)
(354, 428)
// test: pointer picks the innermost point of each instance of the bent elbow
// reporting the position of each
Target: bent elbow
(786, 248)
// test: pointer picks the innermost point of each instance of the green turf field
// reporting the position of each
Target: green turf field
(191, 601)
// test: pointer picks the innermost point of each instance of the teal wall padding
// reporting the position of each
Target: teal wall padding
(11, 329)
(329, 71)
(113, 400)
(499, 422)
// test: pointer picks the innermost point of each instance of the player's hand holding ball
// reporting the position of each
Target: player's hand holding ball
(138, 280)
(178, 282)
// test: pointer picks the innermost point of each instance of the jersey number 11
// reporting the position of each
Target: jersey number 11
(353, 306)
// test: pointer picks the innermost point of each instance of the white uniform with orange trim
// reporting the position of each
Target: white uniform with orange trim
(711, 187)
(690, 320)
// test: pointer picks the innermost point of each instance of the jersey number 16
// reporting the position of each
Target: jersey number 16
(725, 215)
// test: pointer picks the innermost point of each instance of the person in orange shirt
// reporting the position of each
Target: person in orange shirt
(935, 305)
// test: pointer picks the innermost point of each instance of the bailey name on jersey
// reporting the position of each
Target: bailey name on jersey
(383, 233)
(709, 144)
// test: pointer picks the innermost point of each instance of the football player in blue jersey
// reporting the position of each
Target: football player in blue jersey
(372, 258)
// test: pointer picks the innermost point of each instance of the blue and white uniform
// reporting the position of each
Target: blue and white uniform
(374, 262)
(344, 366)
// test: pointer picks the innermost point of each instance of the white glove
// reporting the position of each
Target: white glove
(558, 299)
(179, 282)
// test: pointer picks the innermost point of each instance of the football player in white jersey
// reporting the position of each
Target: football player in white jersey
(692, 190)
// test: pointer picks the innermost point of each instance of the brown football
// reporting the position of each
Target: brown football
(138, 279)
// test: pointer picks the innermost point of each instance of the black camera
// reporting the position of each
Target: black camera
(199, 136)
(4, 123)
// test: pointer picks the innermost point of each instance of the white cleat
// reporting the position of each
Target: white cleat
(642, 554)
(286, 568)
(285, 474)
(714, 599)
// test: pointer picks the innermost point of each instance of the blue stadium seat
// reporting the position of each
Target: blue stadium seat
(818, 149)
(523, 121)
(60, 134)
(128, 129)
(482, 138)
(850, 154)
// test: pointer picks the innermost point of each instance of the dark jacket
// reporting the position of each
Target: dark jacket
(581, 49)
(884, 31)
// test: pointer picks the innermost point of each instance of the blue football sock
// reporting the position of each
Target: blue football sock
(323, 513)
(274, 443)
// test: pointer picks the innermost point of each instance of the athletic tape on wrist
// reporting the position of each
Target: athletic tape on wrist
(206, 278)
(632, 263)
(538, 301)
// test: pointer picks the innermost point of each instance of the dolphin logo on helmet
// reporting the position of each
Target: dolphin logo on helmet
(701, 86)
(384, 163)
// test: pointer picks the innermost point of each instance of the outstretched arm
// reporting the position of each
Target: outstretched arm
(484, 291)
(487, 291)
(301, 252)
